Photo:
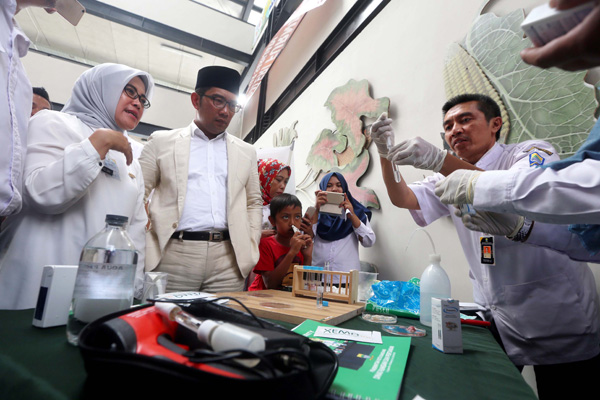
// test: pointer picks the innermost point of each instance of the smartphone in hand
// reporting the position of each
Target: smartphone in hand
(71, 10)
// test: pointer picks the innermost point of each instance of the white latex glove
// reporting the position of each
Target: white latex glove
(419, 153)
(491, 222)
(382, 134)
(458, 187)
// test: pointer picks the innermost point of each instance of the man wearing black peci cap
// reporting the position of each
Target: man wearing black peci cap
(206, 208)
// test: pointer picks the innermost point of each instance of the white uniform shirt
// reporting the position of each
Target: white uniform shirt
(15, 109)
(342, 254)
(559, 238)
(66, 201)
(205, 206)
(544, 304)
(567, 196)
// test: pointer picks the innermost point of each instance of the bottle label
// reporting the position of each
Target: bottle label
(104, 281)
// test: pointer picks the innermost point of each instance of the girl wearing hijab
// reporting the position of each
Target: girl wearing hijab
(79, 167)
(337, 237)
(274, 177)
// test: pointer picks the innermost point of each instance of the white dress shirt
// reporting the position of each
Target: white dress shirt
(544, 304)
(15, 109)
(205, 206)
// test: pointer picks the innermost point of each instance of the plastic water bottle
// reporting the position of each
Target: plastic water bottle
(434, 283)
(105, 277)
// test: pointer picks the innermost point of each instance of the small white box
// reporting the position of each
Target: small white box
(544, 23)
(446, 330)
(56, 293)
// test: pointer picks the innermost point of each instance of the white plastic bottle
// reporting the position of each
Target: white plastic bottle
(105, 277)
(434, 283)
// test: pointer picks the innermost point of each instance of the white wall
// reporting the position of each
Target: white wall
(402, 56)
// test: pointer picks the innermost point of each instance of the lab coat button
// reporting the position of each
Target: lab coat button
(174, 224)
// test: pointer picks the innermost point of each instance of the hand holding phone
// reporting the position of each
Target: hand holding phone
(332, 206)
(71, 10)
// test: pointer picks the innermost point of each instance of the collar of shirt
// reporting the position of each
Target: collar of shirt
(201, 135)
(489, 157)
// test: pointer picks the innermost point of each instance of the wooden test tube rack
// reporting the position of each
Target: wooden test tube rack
(304, 277)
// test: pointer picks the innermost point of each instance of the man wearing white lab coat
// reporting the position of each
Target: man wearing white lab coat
(544, 305)
(15, 102)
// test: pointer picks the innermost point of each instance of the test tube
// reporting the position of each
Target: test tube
(320, 290)
(397, 176)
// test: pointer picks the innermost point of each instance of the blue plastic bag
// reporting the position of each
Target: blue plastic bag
(396, 297)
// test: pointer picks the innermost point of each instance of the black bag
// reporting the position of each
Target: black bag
(291, 366)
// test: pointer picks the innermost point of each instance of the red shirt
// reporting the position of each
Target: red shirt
(271, 254)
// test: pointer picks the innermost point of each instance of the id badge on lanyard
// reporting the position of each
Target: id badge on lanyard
(487, 250)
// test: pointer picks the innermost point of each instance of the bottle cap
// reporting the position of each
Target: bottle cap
(435, 258)
(113, 219)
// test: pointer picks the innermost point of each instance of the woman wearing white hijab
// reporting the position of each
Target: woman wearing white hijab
(79, 167)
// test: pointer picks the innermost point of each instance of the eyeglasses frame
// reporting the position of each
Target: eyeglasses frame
(137, 95)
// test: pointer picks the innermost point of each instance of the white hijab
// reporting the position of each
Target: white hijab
(97, 92)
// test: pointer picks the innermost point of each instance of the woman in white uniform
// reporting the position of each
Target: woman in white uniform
(336, 238)
(79, 167)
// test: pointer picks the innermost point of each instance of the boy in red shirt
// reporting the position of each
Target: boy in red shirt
(286, 247)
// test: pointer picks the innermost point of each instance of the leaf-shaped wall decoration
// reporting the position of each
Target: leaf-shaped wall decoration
(285, 136)
(348, 104)
(547, 104)
(343, 150)
(322, 154)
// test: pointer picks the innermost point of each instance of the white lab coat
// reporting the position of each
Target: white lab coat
(567, 196)
(66, 201)
(15, 109)
(545, 305)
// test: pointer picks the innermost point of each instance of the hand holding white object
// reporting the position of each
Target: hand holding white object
(382, 134)
(491, 222)
(419, 153)
(458, 187)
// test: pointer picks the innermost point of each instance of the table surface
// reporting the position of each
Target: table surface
(39, 363)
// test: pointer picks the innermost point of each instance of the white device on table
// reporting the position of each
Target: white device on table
(544, 23)
(332, 206)
(220, 336)
(54, 298)
(71, 10)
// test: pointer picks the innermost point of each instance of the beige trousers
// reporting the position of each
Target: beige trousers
(198, 265)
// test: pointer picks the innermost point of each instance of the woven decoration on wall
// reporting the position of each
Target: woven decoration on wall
(345, 148)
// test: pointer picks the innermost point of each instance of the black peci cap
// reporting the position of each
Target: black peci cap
(221, 77)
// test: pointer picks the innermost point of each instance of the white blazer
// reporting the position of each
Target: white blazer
(165, 163)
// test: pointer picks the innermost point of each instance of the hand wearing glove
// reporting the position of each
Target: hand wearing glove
(458, 187)
(419, 153)
(492, 223)
(382, 134)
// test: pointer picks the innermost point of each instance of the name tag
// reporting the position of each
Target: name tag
(110, 168)
(487, 250)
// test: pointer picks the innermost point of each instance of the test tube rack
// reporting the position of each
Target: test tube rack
(307, 279)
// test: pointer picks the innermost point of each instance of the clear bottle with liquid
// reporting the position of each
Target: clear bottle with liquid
(105, 277)
(434, 283)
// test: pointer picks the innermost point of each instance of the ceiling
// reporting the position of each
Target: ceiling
(170, 39)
